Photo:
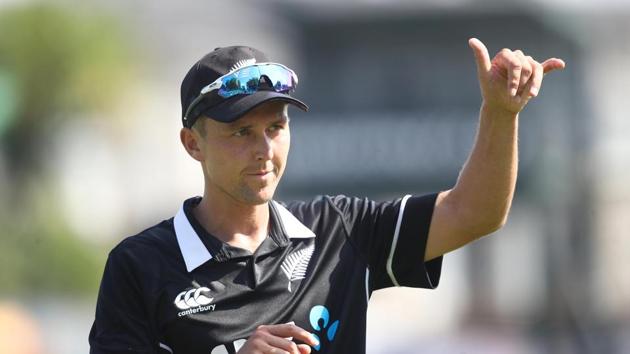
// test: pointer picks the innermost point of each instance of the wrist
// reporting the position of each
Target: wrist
(497, 112)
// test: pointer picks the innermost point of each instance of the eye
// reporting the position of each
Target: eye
(276, 127)
(241, 132)
(280, 124)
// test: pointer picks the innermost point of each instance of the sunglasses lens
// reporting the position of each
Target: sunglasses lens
(244, 81)
(280, 78)
(248, 80)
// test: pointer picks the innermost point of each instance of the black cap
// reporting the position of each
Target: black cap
(214, 65)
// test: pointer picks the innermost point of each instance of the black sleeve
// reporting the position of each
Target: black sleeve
(121, 324)
(392, 242)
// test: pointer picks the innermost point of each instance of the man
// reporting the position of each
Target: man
(235, 271)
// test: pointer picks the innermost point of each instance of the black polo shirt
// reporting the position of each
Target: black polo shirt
(174, 288)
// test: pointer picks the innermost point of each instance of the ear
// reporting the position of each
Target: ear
(192, 142)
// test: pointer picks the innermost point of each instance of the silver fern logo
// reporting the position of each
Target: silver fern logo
(295, 265)
(243, 63)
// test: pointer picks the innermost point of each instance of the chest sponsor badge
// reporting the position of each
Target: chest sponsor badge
(194, 301)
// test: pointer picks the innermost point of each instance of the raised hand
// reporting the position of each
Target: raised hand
(278, 339)
(511, 78)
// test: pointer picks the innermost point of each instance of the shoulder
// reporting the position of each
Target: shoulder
(318, 205)
(327, 208)
(154, 241)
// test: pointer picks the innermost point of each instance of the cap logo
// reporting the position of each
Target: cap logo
(242, 63)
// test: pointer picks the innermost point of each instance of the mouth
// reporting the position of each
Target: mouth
(260, 174)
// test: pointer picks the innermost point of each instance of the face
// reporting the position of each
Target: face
(244, 160)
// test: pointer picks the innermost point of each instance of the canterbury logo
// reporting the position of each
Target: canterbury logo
(295, 265)
(192, 298)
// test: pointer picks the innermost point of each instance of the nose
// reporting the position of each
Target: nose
(264, 148)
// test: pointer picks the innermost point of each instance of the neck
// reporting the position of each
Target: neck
(236, 223)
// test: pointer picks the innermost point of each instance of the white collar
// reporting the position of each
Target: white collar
(195, 252)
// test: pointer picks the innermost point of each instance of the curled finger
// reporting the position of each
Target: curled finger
(273, 350)
(508, 61)
(535, 83)
(291, 330)
(282, 345)
(526, 70)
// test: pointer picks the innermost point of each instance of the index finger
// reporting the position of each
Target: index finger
(290, 330)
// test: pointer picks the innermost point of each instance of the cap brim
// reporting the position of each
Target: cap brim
(236, 107)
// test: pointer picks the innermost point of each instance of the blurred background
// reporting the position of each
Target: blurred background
(90, 154)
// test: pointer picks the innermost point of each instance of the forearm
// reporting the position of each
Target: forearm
(484, 190)
(480, 201)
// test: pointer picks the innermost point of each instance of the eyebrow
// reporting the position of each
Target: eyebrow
(281, 117)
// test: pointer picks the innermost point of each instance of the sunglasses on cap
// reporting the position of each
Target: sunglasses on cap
(248, 80)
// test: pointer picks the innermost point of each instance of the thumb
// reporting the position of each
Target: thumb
(481, 55)
(304, 349)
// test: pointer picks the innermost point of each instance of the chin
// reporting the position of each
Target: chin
(266, 197)
(257, 197)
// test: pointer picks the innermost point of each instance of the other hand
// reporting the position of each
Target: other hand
(278, 339)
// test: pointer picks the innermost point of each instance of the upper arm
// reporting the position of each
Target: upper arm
(121, 322)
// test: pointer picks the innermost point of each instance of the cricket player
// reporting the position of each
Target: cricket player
(235, 271)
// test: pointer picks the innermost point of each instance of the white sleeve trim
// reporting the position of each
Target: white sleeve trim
(166, 347)
(367, 285)
(392, 249)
